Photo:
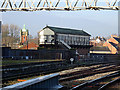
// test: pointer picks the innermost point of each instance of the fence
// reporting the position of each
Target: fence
(106, 56)
(36, 54)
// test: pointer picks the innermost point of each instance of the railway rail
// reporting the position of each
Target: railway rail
(64, 77)
(100, 83)
(29, 72)
(106, 86)
(9, 71)
(21, 72)
(74, 71)
(88, 72)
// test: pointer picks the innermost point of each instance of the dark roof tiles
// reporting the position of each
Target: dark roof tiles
(113, 44)
(68, 31)
(118, 39)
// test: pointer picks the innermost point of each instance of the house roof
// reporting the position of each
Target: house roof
(99, 49)
(113, 45)
(117, 39)
(68, 31)
(31, 45)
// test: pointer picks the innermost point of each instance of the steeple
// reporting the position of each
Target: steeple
(24, 29)
(24, 26)
(23, 34)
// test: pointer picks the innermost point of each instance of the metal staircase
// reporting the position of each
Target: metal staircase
(65, 44)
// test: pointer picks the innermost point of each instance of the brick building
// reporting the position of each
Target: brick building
(113, 44)
(23, 35)
(100, 50)
(31, 45)
(98, 42)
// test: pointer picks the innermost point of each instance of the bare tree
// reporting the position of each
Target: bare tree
(33, 39)
(10, 34)
(14, 31)
(5, 33)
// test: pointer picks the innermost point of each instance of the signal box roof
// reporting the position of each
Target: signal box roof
(67, 31)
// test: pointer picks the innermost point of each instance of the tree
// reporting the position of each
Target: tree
(5, 30)
(10, 34)
(5, 33)
(14, 33)
(96, 37)
(33, 39)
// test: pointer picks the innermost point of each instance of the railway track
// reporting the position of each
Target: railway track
(74, 72)
(13, 76)
(64, 77)
(100, 83)
(88, 72)
(39, 71)
(106, 86)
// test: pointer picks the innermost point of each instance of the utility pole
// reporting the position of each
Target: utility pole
(27, 38)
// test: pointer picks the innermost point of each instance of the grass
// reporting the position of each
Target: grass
(13, 62)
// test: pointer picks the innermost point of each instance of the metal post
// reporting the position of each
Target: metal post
(24, 3)
(27, 39)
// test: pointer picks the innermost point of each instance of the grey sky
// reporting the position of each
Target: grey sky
(102, 23)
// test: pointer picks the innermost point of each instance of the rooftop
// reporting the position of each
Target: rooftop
(68, 31)
(117, 39)
(113, 45)
(99, 49)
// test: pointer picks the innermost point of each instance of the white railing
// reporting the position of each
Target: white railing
(65, 44)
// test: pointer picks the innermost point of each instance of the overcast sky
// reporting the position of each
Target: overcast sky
(96, 23)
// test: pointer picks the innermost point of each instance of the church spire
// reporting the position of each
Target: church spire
(24, 26)
(24, 34)
(24, 29)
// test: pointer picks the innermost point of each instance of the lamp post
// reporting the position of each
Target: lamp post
(27, 38)
(71, 59)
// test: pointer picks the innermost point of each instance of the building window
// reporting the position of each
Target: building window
(59, 37)
(84, 40)
(52, 36)
(24, 38)
(62, 37)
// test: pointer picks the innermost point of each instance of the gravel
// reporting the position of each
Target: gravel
(77, 69)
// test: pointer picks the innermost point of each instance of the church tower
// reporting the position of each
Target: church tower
(23, 35)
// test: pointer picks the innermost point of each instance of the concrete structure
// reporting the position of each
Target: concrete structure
(48, 82)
